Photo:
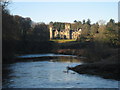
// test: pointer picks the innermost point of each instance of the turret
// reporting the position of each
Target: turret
(51, 31)
(67, 28)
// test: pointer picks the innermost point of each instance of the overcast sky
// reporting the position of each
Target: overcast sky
(65, 11)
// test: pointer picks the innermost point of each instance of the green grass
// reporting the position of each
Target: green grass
(63, 40)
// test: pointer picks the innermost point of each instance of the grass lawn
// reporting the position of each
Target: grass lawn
(62, 40)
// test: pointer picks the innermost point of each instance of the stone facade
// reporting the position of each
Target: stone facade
(66, 33)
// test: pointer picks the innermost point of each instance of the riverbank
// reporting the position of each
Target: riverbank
(106, 68)
(99, 60)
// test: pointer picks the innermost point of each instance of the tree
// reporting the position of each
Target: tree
(112, 21)
(84, 21)
(112, 32)
(101, 22)
(51, 23)
(101, 36)
(86, 30)
(88, 22)
(9, 32)
(94, 29)
(4, 4)
(10, 27)
(75, 21)
(24, 26)
(111, 25)
(80, 22)
(40, 33)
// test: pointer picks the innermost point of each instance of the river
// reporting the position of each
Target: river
(51, 73)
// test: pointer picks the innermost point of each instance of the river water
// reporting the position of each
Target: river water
(51, 73)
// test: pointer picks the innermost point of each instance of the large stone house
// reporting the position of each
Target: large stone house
(66, 33)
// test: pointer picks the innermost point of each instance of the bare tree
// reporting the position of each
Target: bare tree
(101, 22)
(4, 4)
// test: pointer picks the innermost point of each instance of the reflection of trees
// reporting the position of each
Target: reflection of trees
(67, 59)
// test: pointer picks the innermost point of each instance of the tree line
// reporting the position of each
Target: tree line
(99, 32)
(22, 35)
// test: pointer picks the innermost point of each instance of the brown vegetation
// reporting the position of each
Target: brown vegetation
(101, 59)
(106, 68)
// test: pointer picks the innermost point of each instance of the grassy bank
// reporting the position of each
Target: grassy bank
(63, 40)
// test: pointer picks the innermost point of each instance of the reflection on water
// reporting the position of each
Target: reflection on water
(67, 59)
(43, 55)
(52, 74)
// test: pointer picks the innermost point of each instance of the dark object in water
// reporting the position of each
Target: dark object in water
(65, 71)
(69, 68)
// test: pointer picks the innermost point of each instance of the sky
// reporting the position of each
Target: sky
(65, 11)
